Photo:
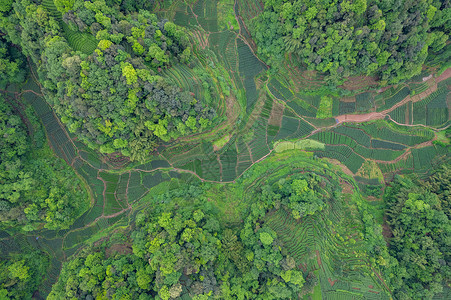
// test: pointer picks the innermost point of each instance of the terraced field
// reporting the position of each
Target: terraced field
(79, 41)
(260, 110)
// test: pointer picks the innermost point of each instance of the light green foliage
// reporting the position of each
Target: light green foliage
(104, 44)
(222, 141)
(21, 273)
(226, 15)
(306, 144)
(130, 73)
(266, 238)
(325, 108)
(64, 5)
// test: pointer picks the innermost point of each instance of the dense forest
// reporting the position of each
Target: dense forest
(181, 248)
(21, 273)
(419, 216)
(120, 60)
(36, 188)
(386, 38)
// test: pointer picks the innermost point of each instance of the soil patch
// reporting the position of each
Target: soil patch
(347, 99)
(118, 249)
(332, 282)
(342, 166)
(360, 118)
(359, 82)
(445, 75)
(347, 188)
(276, 116)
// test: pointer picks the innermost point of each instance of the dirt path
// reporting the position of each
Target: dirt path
(381, 115)
(359, 118)
(445, 75)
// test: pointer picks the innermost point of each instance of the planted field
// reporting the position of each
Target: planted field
(436, 102)
(391, 97)
(364, 102)
(379, 130)
(424, 159)
(317, 248)
(249, 67)
(344, 154)
(84, 42)
(206, 13)
(347, 108)
(249, 9)
(437, 110)
(360, 136)
(400, 114)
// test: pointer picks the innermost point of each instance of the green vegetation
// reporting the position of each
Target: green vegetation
(325, 108)
(346, 38)
(306, 144)
(198, 149)
(419, 220)
(36, 188)
(21, 272)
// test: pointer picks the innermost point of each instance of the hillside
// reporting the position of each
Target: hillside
(204, 149)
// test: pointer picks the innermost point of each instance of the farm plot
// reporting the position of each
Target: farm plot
(437, 110)
(364, 102)
(352, 146)
(224, 45)
(344, 154)
(207, 14)
(249, 9)
(427, 158)
(432, 110)
(401, 114)
(184, 16)
(346, 107)
(316, 247)
(391, 97)
(293, 128)
(401, 165)
(360, 136)
(381, 131)
(249, 67)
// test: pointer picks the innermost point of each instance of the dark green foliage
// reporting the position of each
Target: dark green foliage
(22, 273)
(301, 194)
(35, 187)
(142, 107)
(420, 240)
(181, 249)
(11, 64)
(343, 38)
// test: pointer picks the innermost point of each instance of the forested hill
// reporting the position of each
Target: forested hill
(100, 70)
(387, 38)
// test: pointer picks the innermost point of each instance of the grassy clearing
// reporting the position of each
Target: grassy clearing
(221, 142)
(325, 108)
(306, 144)
(226, 15)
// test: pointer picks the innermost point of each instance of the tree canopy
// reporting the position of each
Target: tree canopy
(35, 187)
(386, 38)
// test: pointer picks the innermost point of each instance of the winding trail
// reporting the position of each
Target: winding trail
(381, 115)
